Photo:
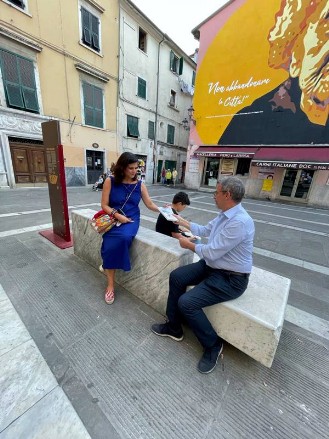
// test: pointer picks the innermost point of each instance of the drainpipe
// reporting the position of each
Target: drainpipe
(155, 146)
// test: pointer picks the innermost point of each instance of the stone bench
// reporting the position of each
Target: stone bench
(252, 323)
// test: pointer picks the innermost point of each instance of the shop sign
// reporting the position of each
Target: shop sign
(226, 155)
(227, 167)
(310, 166)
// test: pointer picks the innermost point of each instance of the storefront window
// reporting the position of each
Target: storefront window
(243, 166)
(296, 184)
(304, 184)
(211, 172)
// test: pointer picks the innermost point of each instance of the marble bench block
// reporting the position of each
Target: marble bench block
(252, 323)
(88, 242)
(153, 256)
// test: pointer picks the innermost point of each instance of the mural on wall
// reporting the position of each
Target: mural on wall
(264, 78)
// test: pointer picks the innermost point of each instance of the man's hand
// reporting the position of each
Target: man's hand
(186, 243)
(182, 222)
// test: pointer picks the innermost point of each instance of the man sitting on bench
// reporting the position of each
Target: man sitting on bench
(221, 274)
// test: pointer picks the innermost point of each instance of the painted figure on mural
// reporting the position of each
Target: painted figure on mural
(299, 107)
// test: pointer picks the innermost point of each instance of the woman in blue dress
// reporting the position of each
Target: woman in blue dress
(121, 195)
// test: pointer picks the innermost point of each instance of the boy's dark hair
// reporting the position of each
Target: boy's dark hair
(181, 197)
(125, 159)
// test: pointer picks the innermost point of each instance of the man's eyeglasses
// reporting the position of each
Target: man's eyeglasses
(217, 192)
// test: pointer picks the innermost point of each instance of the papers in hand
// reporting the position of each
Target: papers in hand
(167, 213)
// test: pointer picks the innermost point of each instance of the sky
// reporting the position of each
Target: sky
(177, 18)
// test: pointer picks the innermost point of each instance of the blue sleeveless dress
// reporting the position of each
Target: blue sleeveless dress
(117, 241)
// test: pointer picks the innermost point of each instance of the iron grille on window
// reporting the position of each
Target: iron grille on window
(19, 82)
(93, 105)
(90, 29)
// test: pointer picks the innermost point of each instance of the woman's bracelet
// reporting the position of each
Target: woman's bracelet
(113, 212)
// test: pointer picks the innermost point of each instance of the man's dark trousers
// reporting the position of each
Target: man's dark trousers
(211, 286)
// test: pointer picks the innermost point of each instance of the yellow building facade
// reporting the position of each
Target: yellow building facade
(58, 60)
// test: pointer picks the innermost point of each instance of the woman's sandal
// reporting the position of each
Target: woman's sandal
(109, 297)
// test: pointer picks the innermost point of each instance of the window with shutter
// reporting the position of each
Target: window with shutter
(151, 130)
(193, 78)
(19, 81)
(181, 63)
(174, 62)
(172, 101)
(132, 127)
(142, 40)
(93, 105)
(90, 29)
(19, 3)
(141, 89)
(170, 134)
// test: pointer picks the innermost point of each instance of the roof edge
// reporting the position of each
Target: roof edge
(196, 31)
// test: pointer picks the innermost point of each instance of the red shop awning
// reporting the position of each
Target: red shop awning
(293, 158)
(228, 152)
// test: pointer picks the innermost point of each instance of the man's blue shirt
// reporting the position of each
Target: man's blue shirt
(230, 243)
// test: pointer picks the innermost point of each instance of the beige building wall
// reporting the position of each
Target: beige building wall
(62, 63)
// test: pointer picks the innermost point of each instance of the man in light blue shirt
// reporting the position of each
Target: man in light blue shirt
(221, 274)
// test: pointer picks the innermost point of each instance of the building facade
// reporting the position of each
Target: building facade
(59, 60)
(262, 101)
(156, 85)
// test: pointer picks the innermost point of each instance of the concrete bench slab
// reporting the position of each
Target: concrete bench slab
(252, 323)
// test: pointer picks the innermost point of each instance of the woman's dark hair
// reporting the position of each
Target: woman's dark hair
(125, 159)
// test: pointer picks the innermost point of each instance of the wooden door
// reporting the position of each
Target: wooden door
(29, 162)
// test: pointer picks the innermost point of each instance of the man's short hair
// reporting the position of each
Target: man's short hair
(181, 197)
(234, 186)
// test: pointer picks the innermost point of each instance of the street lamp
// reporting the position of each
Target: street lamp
(186, 124)
(190, 113)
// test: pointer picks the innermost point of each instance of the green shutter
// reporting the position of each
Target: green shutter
(170, 134)
(98, 107)
(29, 92)
(86, 35)
(90, 29)
(151, 130)
(93, 105)
(132, 126)
(141, 89)
(95, 32)
(19, 81)
(181, 62)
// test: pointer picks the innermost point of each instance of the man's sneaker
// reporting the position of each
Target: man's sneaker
(209, 358)
(164, 330)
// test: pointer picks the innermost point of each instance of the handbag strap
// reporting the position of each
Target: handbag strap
(129, 195)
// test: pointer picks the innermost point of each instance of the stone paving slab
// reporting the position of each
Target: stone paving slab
(31, 404)
(52, 417)
(127, 383)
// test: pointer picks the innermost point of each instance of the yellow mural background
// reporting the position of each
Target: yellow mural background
(238, 52)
